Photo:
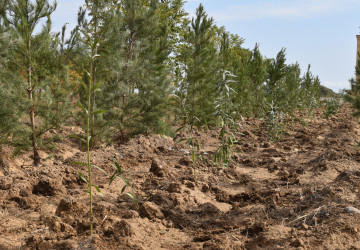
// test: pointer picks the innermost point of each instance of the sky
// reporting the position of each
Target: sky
(321, 33)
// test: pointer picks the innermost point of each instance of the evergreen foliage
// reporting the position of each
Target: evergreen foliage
(137, 91)
(11, 127)
(199, 68)
(155, 67)
(256, 73)
(31, 59)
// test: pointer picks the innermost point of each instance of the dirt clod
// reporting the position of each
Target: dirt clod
(5, 182)
(298, 243)
(158, 168)
(151, 211)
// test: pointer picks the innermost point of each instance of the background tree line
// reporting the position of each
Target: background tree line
(148, 66)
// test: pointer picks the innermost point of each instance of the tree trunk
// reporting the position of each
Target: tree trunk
(36, 156)
(129, 58)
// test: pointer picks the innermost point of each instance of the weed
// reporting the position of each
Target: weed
(223, 106)
(128, 182)
(191, 141)
(194, 146)
(91, 88)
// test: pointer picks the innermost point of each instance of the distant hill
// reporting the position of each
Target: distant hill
(326, 92)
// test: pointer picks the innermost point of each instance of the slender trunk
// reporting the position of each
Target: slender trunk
(127, 82)
(36, 155)
(93, 107)
(129, 58)
(30, 90)
(88, 133)
(93, 83)
(194, 78)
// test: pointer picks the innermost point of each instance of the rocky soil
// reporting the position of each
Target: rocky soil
(300, 193)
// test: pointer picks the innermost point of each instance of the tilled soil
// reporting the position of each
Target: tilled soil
(299, 193)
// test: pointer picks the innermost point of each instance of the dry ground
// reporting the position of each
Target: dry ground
(288, 195)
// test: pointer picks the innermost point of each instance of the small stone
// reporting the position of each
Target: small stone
(185, 152)
(352, 210)
(33, 241)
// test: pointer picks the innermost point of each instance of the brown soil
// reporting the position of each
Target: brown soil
(288, 195)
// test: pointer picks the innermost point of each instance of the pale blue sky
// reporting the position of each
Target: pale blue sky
(317, 32)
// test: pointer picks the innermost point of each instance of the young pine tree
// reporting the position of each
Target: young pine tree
(200, 69)
(292, 88)
(257, 71)
(137, 92)
(310, 91)
(275, 84)
(21, 18)
(11, 128)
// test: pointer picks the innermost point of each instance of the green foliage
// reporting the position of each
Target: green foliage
(274, 123)
(187, 127)
(198, 67)
(276, 97)
(11, 128)
(256, 72)
(32, 57)
(89, 36)
(154, 66)
(193, 144)
(223, 104)
(310, 91)
(119, 174)
(139, 84)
